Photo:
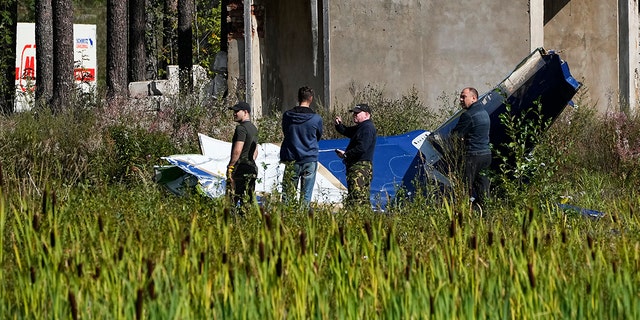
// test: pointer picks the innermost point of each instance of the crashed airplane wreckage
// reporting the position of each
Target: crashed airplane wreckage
(399, 161)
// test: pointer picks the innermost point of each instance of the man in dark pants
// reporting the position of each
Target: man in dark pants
(242, 170)
(473, 127)
(302, 129)
(359, 154)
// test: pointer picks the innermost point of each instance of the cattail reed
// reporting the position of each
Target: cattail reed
(44, 203)
(502, 242)
(563, 235)
(279, 267)
(52, 239)
(590, 244)
(231, 278)
(532, 277)
(53, 203)
(151, 266)
(490, 238)
(224, 258)
(473, 242)
(32, 273)
(387, 245)
(341, 234)
(535, 243)
(73, 305)
(120, 253)
(303, 243)
(139, 301)
(367, 229)
(452, 228)
(151, 290)
(261, 251)
(267, 220)
(100, 224)
(201, 262)
(96, 273)
(432, 308)
(35, 222)
(310, 213)
(407, 268)
(184, 244)
(79, 270)
(226, 214)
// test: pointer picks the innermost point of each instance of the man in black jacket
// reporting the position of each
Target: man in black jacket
(359, 154)
(473, 127)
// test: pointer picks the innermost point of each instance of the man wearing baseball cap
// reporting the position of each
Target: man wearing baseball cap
(242, 170)
(358, 156)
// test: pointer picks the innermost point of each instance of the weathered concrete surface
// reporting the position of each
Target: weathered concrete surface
(439, 47)
(288, 62)
(586, 34)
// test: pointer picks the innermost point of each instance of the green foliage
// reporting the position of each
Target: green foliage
(84, 255)
(391, 116)
(207, 33)
(522, 167)
(85, 231)
(133, 151)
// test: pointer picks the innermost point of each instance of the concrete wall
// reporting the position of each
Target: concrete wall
(436, 46)
(439, 47)
(585, 32)
(288, 62)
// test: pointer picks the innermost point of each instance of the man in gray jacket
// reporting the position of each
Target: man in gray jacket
(302, 129)
(473, 127)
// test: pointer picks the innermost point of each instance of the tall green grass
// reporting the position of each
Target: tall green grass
(84, 238)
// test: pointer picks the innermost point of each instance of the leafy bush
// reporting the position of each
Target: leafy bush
(390, 116)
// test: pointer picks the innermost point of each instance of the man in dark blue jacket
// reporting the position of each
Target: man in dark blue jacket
(359, 154)
(473, 127)
(302, 129)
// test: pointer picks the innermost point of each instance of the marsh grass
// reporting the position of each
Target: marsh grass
(79, 243)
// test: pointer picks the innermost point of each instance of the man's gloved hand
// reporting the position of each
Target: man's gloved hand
(230, 169)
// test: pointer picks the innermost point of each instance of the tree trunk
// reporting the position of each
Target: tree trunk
(185, 45)
(62, 54)
(137, 28)
(169, 35)
(44, 52)
(117, 84)
(8, 54)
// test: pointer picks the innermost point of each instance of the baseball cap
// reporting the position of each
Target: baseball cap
(241, 106)
(361, 107)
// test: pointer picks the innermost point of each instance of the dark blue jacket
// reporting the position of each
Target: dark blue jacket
(473, 126)
(302, 129)
(363, 141)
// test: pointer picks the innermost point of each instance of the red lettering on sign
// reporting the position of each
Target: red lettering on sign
(27, 76)
(84, 74)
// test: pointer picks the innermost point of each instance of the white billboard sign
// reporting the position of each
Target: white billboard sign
(84, 56)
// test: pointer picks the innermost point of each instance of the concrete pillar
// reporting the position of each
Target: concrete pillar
(327, 54)
(252, 60)
(634, 55)
(536, 24)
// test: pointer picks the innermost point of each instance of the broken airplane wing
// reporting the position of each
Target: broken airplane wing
(399, 160)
